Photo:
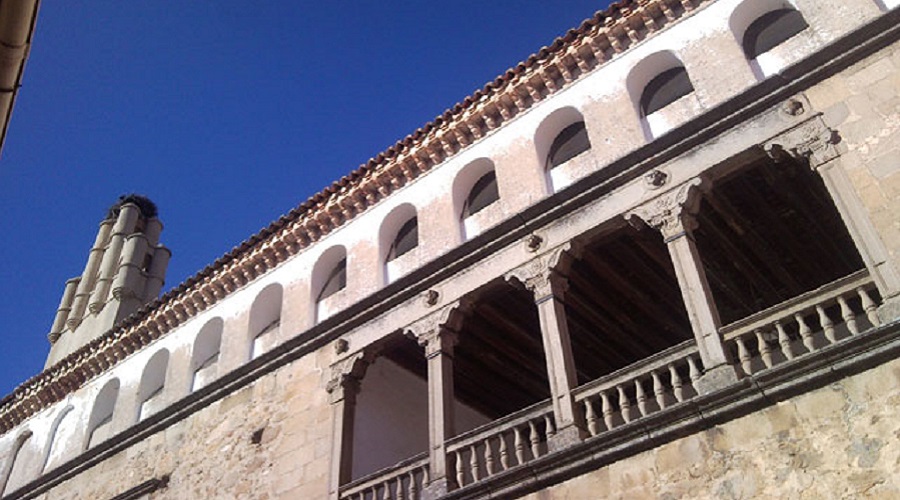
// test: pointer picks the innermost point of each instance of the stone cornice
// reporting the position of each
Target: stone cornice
(551, 69)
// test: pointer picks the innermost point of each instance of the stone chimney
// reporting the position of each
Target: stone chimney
(126, 268)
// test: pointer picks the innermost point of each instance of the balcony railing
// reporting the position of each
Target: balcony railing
(804, 324)
(801, 325)
(402, 481)
(642, 388)
(501, 445)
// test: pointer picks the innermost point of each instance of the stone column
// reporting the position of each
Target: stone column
(342, 391)
(549, 287)
(439, 340)
(813, 142)
(672, 213)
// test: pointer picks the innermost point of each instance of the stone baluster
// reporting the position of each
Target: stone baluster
(489, 467)
(504, 453)
(624, 404)
(460, 469)
(607, 409)
(848, 315)
(827, 324)
(765, 352)
(591, 417)
(535, 439)
(869, 306)
(784, 341)
(519, 443)
(659, 391)
(805, 332)
(677, 384)
(672, 213)
(641, 397)
(474, 466)
(413, 486)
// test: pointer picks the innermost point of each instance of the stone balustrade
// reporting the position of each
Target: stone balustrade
(502, 445)
(804, 324)
(402, 481)
(645, 387)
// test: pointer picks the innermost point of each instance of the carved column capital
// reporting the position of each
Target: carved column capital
(672, 213)
(811, 141)
(346, 375)
(437, 332)
(545, 275)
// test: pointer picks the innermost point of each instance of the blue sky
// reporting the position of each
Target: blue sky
(227, 114)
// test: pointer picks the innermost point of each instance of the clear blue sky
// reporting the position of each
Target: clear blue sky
(227, 114)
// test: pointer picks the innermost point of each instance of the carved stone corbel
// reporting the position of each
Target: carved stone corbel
(811, 141)
(671, 212)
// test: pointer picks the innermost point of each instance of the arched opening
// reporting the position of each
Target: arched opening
(265, 319)
(559, 141)
(407, 239)
(153, 380)
(571, 142)
(770, 238)
(63, 428)
(391, 418)
(483, 193)
(475, 192)
(660, 87)
(205, 354)
(19, 469)
(100, 422)
(335, 282)
(329, 278)
(664, 89)
(763, 28)
(770, 30)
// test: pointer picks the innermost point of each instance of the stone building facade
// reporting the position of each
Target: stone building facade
(659, 258)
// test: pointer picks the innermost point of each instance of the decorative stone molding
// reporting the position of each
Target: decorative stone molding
(811, 141)
(671, 212)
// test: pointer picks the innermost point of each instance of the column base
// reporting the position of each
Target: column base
(716, 378)
(437, 488)
(565, 438)
(889, 311)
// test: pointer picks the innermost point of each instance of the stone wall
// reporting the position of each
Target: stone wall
(840, 441)
(211, 454)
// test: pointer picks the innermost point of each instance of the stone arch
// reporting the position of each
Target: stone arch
(11, 474)
(476, 174)
(654, 85)
(329, 277)
(153, 382)
(265, 319)
(398, 234)
(63, 426)
(550, 136)
(205, 353)
(99, 426)
(759, 26)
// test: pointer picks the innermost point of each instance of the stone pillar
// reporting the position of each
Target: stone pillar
(439, 340)
(813, 142)
(672, 213)
(342, 391)
(549, 287)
